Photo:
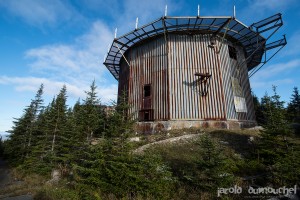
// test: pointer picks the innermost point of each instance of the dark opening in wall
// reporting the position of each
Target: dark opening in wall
(232, 52)
(146, 115)
(147, 90)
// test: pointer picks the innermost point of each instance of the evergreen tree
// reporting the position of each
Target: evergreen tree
(293, 111)
(120, 117)
(58, 120)
(258, 110)
(274, 114)
(274, 149)
(36, 108)
(91, 113)
(19, 144)
(1, 147)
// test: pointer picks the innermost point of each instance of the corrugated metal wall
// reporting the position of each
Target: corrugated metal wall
(188, 55)
(237, 69)
(148, 65)
(171, 68)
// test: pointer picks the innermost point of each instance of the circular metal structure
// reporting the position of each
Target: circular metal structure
(190, 71)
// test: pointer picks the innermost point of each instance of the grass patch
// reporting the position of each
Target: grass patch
(22, 184)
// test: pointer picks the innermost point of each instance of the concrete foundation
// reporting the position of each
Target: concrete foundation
(157, 126)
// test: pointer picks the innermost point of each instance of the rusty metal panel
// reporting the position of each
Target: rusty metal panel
(170, 67)
(147, 66)
(237, 69)
(190, 55)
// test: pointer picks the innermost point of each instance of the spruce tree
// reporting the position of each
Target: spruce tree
(19, 144)
(274, 114)
(91, 113)
(258, 110)
(1, 147)
(274, 147)
(293, 111)
(36, 108)
(58, 123)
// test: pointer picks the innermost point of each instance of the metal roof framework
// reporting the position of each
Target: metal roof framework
(249, 37)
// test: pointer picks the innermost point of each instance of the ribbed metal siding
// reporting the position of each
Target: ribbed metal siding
(188, 55)
(167, 72)
(148, 65)
(231, 68)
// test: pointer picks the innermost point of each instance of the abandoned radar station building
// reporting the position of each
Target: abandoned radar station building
(181, 72)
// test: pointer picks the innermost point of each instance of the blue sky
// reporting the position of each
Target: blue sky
(58, 42)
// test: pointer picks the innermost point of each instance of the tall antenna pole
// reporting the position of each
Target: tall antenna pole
(166, 10)
(116, 30)
(198, 10)
(234, 11)
(136, 22)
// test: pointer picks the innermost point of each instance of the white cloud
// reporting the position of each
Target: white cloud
(255, 84)
(280, 74)
(276, 69)
(270, 5)
(82, 59)
(76, 65)
(51, 88)
(256, 10)
(292, 47)
(146, 10)
(39, 12)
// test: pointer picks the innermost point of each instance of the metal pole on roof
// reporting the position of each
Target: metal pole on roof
(166, 10)
(136, 22)
(116, 30)
(198, 10)
(234, 11)
(122, 54)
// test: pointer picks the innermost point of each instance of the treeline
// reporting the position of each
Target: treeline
(275, 151)
(91, 149)
(60, 137)
(271, 111)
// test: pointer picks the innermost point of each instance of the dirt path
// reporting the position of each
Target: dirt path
(7, 181)
(5, 178)
(166, 141)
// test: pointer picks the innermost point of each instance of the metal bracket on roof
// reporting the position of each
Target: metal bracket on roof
(122, 54)
(279, 44)
(164, 27)
(268, 23)
(213, 36)
(272, 23)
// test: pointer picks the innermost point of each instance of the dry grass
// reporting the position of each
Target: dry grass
(22, 184)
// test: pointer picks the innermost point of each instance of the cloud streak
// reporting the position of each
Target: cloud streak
(82, 58)
(275, 75)
(276, 69)
(76, 65)
(37, 13)
(51, 88)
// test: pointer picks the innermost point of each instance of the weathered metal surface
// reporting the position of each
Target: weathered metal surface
(170, 67)
(236, 30)
(148, 65)
(191, 55)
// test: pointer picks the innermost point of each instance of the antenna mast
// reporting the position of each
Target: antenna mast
(166, 10)
(116, 30)
(136, 23)
(234, 11)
